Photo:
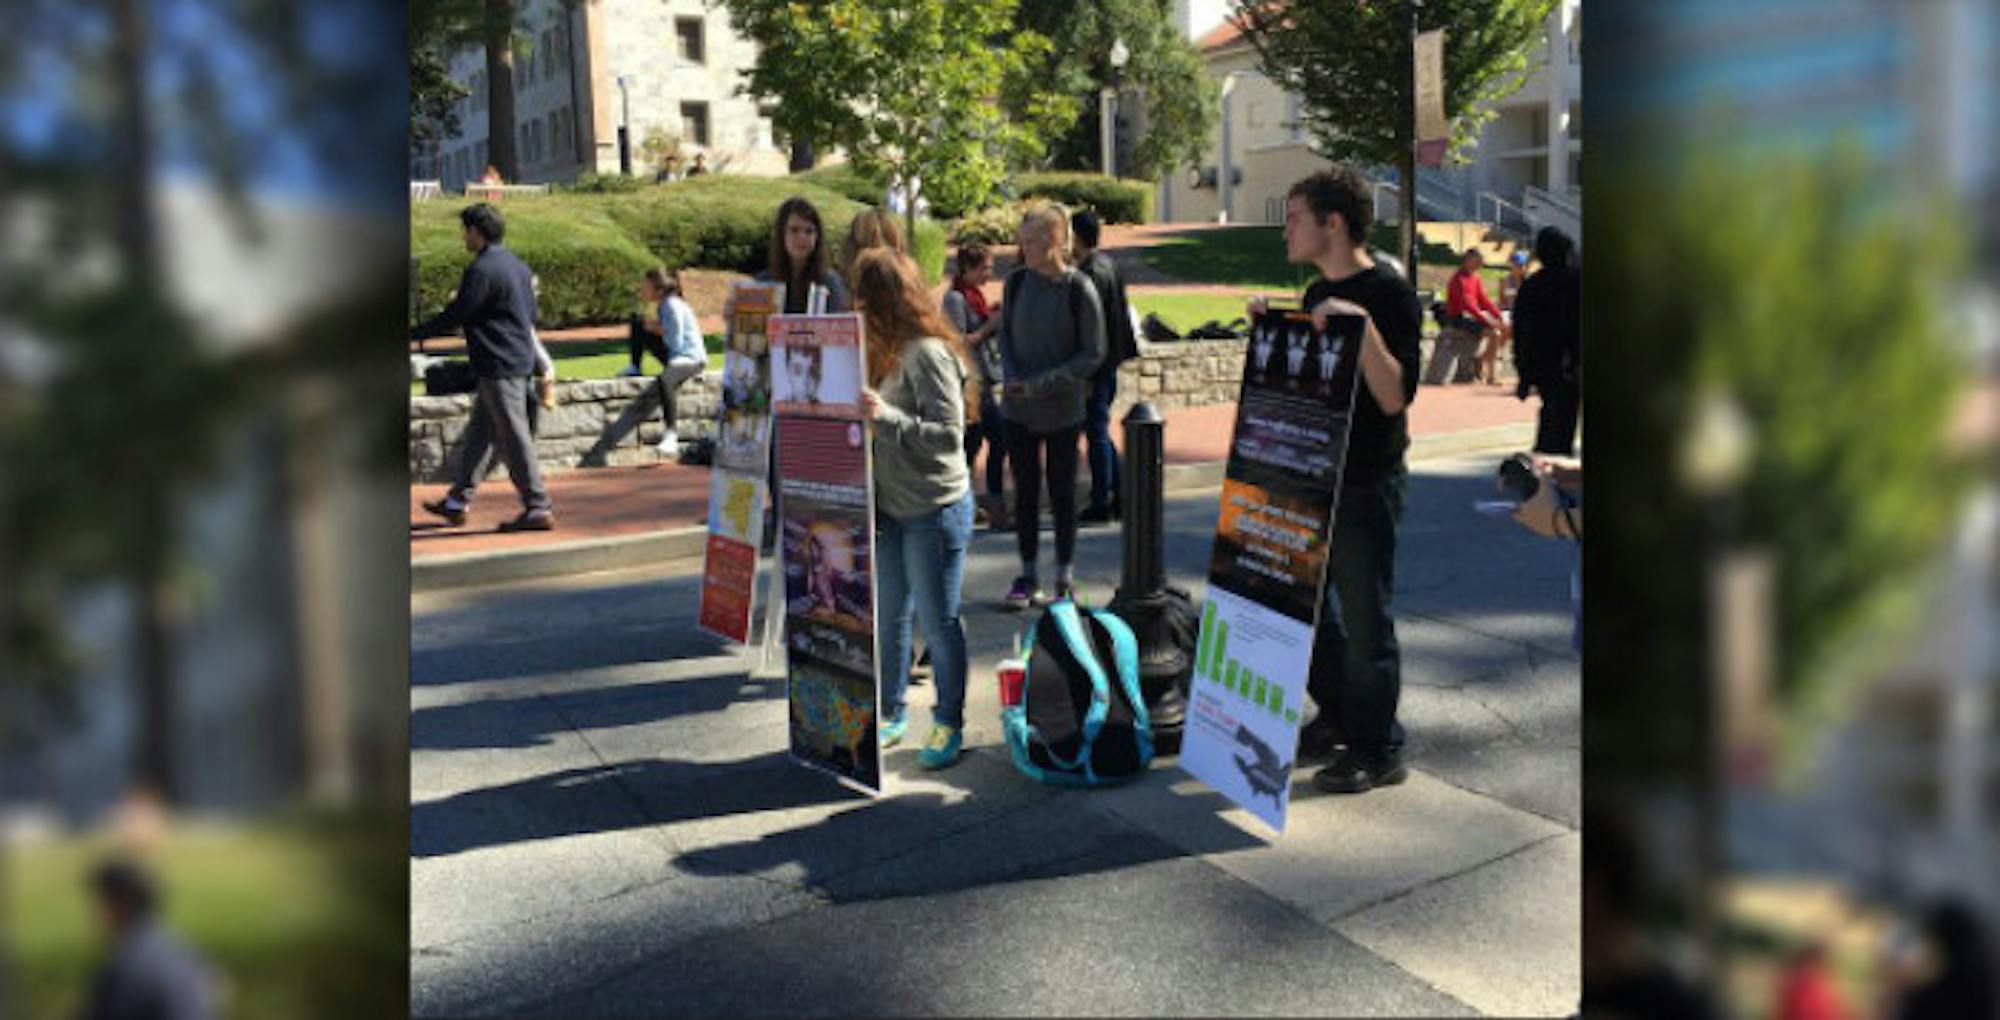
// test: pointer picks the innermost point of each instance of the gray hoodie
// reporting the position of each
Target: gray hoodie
(1051, 341)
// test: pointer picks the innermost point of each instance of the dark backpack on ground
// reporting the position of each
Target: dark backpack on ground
(1156, 329)
(444, 378)
(1082, 718)
(1213, 329)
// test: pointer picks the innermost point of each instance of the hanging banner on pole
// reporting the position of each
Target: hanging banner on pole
(826, 526)
(742, 460)
(1279, 492)
(1433, 132)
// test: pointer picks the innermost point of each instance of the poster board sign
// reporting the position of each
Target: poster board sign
(826, 526)
(1433, 132)
(1279, 493)
(742, 460)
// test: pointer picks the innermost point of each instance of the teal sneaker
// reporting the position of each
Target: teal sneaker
(892, 731)
(941, 748)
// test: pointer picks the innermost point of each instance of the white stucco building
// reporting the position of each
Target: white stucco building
(1526, 166)
(658, 67)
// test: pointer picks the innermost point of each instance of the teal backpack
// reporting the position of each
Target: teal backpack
(1082, 718)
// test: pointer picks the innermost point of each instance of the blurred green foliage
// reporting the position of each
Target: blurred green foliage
(1811, 294)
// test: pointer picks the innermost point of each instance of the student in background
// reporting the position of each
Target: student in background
(965, 305)
(673, 334)
(1120, 346)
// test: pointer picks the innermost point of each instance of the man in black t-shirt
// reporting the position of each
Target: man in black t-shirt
(1356, 669)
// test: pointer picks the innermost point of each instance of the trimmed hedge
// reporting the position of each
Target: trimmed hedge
(588, 266)
(843, 178)
(1116, 200)
(590, 249)
(993, 225)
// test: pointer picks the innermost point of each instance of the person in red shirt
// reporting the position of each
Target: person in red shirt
(1808, 991)
(1467, 305)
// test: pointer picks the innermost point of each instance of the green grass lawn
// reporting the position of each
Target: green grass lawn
(1255, 257)
(300, 918)
(1186, 311)
(1244, 257)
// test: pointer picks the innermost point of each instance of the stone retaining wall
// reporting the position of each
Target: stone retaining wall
(595, 422)
(617, 421)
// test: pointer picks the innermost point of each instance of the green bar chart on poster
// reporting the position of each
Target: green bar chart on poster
(1213, 664)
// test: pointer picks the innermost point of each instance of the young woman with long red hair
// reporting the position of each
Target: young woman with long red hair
(916, 401)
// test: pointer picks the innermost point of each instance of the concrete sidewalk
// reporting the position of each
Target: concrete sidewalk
(621, 517)
(604, 822)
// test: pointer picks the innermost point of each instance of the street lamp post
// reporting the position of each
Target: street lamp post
(1226, 172)
(1107, 110)
(624, 125)
(1715, 458)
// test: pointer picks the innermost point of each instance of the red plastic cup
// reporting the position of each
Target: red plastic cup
(1013, 679)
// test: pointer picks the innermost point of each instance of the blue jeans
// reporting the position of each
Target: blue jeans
(1097, 439)
(1357, 674)
(920, 565)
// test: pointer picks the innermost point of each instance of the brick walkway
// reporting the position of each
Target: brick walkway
(606, 502)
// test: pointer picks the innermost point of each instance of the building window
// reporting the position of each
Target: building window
(687, 31)
(479, 91)
(555, 136)
(480, 157)
(694, 123)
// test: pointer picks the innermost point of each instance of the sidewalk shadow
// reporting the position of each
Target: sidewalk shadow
(916, 844)
(610, 798)
(525, 633)
(493, 723)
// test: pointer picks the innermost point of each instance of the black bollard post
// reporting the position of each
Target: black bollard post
(1163, 619)
(1143, 501)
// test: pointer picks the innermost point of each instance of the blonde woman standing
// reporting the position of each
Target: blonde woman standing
(1051, 342)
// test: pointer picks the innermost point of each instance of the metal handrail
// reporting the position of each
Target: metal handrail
(1440, 211)
(1500, 204)
(1563, 202)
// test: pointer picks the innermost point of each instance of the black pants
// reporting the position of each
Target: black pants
(1357, 668)
(989, 431)
(1024, 449)
(642, 342)
(1556, 432)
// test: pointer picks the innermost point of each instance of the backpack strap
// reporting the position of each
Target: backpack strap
(1125, 646)
(1069, 623)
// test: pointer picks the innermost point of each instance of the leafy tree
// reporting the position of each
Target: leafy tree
(1790, 284)
(437, 29)
(1164, 72)
(909, 88)
(1351, 61)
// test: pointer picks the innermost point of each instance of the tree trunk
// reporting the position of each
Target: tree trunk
(152, 641)
(909, 187)
(500, 150)
(803, 156)
(136, 235)
(1409, 231)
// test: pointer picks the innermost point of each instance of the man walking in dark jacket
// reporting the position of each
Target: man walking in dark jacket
(495, 305)
(1120, 345)
(1548, 341)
